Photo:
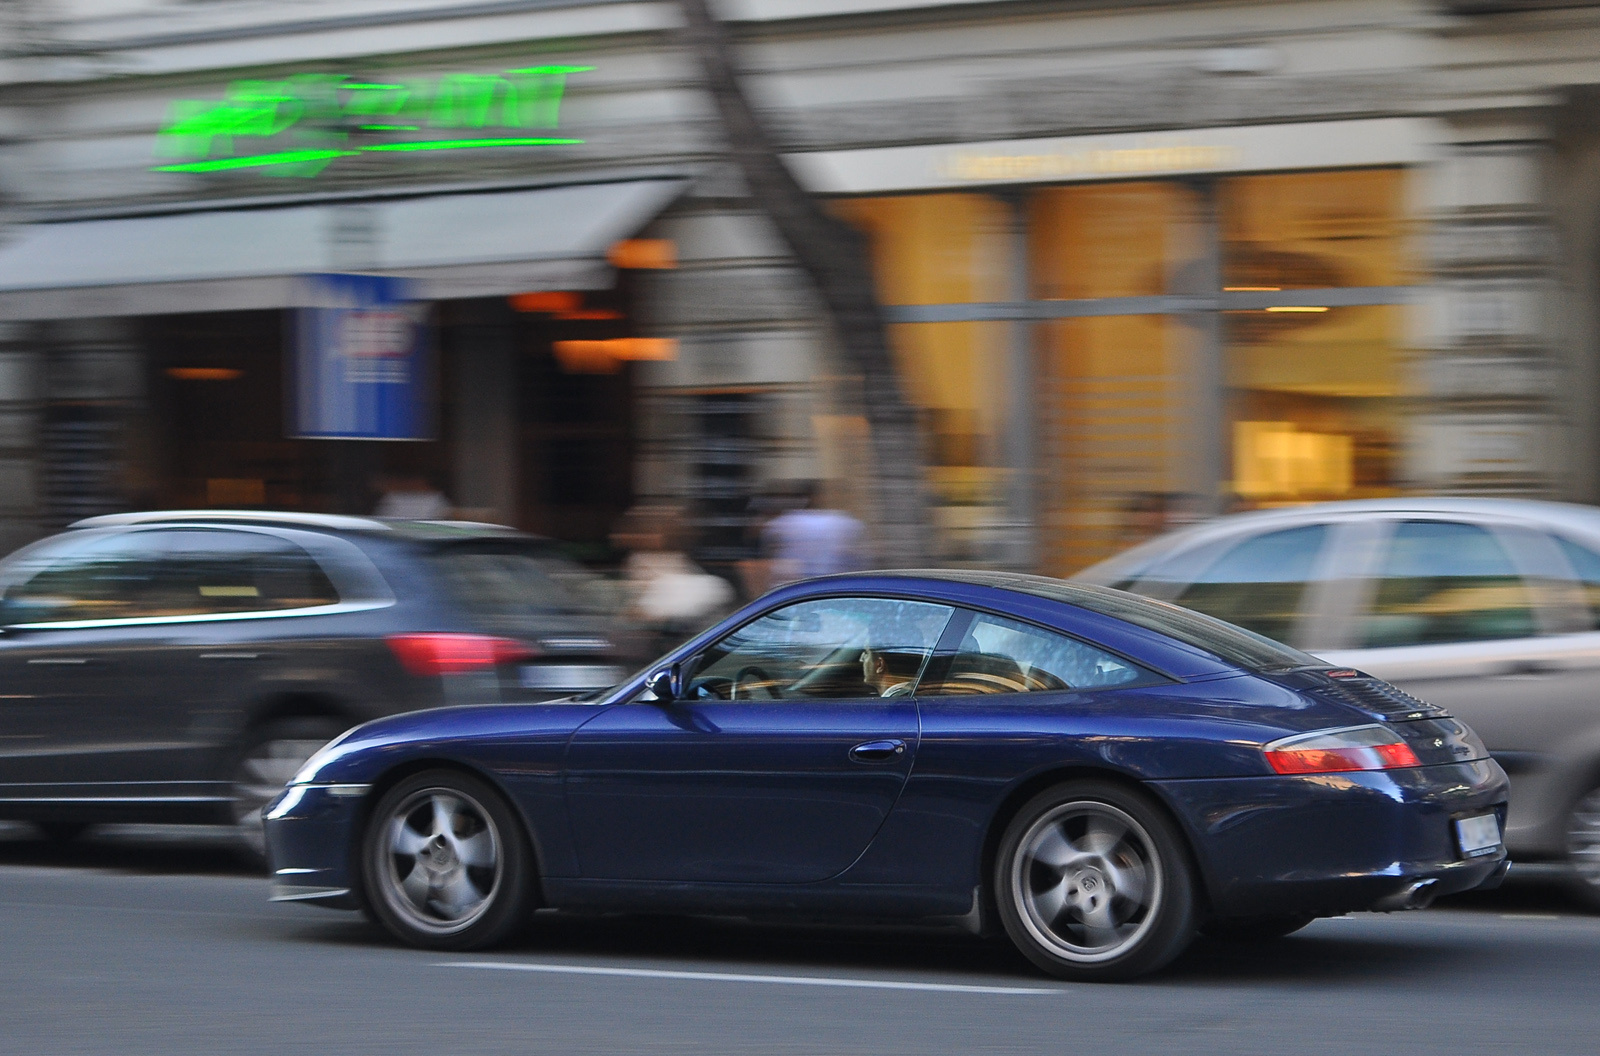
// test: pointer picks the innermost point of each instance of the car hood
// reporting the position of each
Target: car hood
(458, 733)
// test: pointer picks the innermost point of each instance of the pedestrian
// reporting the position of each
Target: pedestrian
(411, 497)
(669, 596)
(810, 540)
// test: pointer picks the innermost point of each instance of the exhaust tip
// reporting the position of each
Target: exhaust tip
(1416, 895)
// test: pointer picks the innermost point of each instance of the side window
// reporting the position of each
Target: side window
(1586, 564)
(107, 577)
(1003, 656)
(1447, 582)
(1260, 583)
(830, 647)
(215, 571)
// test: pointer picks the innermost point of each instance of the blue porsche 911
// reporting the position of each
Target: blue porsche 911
(1096, 774)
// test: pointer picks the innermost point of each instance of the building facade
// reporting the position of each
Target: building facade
(1136, 258)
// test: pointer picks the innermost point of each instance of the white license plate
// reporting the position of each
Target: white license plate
(569, 676)
(1479, 835)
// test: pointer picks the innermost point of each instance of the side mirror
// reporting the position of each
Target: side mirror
(665, 684)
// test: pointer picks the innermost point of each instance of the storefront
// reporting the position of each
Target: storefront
(1141, 263)
(1184, 343)
(521, 304)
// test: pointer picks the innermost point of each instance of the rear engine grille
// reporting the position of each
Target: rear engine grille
(1380, 698)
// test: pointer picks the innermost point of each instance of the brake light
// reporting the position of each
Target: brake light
(1336, 751)
(452, 654)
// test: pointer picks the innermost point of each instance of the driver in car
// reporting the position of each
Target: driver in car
(889, 674)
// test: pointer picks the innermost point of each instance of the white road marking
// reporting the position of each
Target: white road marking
(733, 977)
(1530, 916)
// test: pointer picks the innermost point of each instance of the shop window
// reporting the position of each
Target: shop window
(1313, 388)
(1111, 395)
(949, 249)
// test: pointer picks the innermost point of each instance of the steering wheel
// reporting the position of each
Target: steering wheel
(757, 678)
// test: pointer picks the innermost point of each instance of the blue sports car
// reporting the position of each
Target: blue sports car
(1096, 774)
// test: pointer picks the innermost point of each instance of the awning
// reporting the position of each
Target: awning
(452, 245)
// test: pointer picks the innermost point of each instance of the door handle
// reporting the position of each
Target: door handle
(877, 751)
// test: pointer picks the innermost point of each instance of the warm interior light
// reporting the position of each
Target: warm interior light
(589, 314)
(604, 357)
(657, 253)
(547, 301)
(1298, 308)
(204, 373)
(1276, 459)
(1251, 289)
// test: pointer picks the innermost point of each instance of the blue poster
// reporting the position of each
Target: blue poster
(362, 369)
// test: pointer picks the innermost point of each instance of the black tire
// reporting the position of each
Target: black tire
(1583, 849)
(1093, 883)
(1254, 929)
(445, 863)
(60, 831)
(268, 757)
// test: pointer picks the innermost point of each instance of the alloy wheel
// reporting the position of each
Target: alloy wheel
(1087, 878)
(441, 866)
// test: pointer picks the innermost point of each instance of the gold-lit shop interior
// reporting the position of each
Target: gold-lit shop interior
(1311, 391)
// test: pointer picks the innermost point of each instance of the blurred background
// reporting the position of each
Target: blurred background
(1136, 264)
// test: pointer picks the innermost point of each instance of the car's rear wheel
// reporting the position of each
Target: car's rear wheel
(270, 756)
(445, 863)
(1583, 847)
(1092, 882)
(1255, 929)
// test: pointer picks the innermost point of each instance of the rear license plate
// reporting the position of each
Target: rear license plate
(569, 676)
(1478, 836)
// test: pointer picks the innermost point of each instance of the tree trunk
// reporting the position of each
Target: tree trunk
(836, 258)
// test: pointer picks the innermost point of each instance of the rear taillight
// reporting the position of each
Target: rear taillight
(453, 654)
(1336, 751)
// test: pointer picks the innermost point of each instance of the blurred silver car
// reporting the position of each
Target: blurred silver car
(1488, 607)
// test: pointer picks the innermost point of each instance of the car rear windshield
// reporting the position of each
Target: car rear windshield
(1234, 645)
(504, 583)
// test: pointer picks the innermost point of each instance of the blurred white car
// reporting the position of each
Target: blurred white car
(1488, 607)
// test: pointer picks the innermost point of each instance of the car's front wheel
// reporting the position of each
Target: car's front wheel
(445, 863)
(1092, 882)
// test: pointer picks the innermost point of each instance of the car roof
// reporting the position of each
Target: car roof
(429, 530)
(1571, 516)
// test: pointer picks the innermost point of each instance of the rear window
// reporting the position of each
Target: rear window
(1235, 645)
(507, 585)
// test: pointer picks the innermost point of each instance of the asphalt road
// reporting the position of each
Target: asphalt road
(137, 943)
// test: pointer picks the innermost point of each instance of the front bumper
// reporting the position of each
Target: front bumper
(1335, 843)
(311, 836)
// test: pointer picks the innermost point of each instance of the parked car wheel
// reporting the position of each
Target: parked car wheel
(1583, 847)
(445, 863)
(1254, 929)
(1093, 883)
(61, 831)
(271, 755)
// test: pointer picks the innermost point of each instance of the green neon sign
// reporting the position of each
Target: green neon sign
(301, 125)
